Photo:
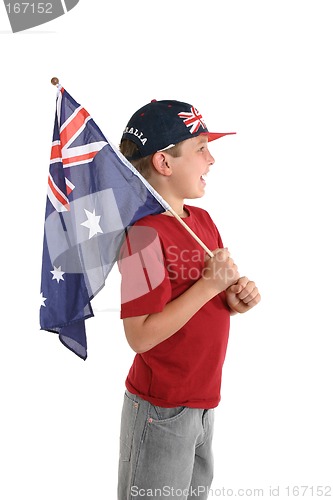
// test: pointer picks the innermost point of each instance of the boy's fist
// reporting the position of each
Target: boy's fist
(243, 295)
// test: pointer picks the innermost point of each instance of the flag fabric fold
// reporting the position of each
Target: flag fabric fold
(93, 195)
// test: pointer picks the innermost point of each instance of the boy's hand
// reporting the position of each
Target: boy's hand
(243, 295)
(220, 271)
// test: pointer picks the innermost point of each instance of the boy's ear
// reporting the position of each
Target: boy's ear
(160, 163)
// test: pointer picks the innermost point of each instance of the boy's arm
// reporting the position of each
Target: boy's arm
(147, 331)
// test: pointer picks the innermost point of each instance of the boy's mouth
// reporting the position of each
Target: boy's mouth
(203, 178)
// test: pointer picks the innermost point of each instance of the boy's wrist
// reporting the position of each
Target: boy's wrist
(231, 310)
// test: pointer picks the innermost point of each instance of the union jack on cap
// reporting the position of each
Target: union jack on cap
(160, 125)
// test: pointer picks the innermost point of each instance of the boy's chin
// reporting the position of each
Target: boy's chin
(195, 196)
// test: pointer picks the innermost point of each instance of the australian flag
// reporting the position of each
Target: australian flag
(93, 195)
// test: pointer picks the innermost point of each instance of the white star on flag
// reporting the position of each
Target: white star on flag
(57, 274)
(92, 223)
(42, 299)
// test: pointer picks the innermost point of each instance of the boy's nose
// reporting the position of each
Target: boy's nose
(211, 159)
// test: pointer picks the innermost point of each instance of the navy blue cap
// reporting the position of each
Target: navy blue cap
(160, 125)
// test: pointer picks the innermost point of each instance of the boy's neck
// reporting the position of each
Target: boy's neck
(176, 203)
(178, 208)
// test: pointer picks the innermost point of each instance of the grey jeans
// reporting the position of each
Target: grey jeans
(164, 452)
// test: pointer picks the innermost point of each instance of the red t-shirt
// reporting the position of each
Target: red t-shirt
(160, 260)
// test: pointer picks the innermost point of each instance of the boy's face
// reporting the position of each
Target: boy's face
(188, 170)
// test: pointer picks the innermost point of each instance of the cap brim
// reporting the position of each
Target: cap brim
(216, 135)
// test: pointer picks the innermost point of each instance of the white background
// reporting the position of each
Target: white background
(260, 68)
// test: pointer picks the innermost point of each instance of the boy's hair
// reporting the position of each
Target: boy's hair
(144, 165)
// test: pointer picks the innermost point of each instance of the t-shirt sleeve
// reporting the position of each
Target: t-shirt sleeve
(145, 284)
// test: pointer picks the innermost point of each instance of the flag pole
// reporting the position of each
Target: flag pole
(55, 81)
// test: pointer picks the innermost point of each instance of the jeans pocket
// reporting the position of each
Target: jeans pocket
(128, 419)
(163, 414)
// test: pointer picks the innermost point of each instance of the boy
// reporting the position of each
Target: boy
(176, 307)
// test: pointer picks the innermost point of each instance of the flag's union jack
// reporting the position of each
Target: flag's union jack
(193, 119)
(61, 151)
(93, 195)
